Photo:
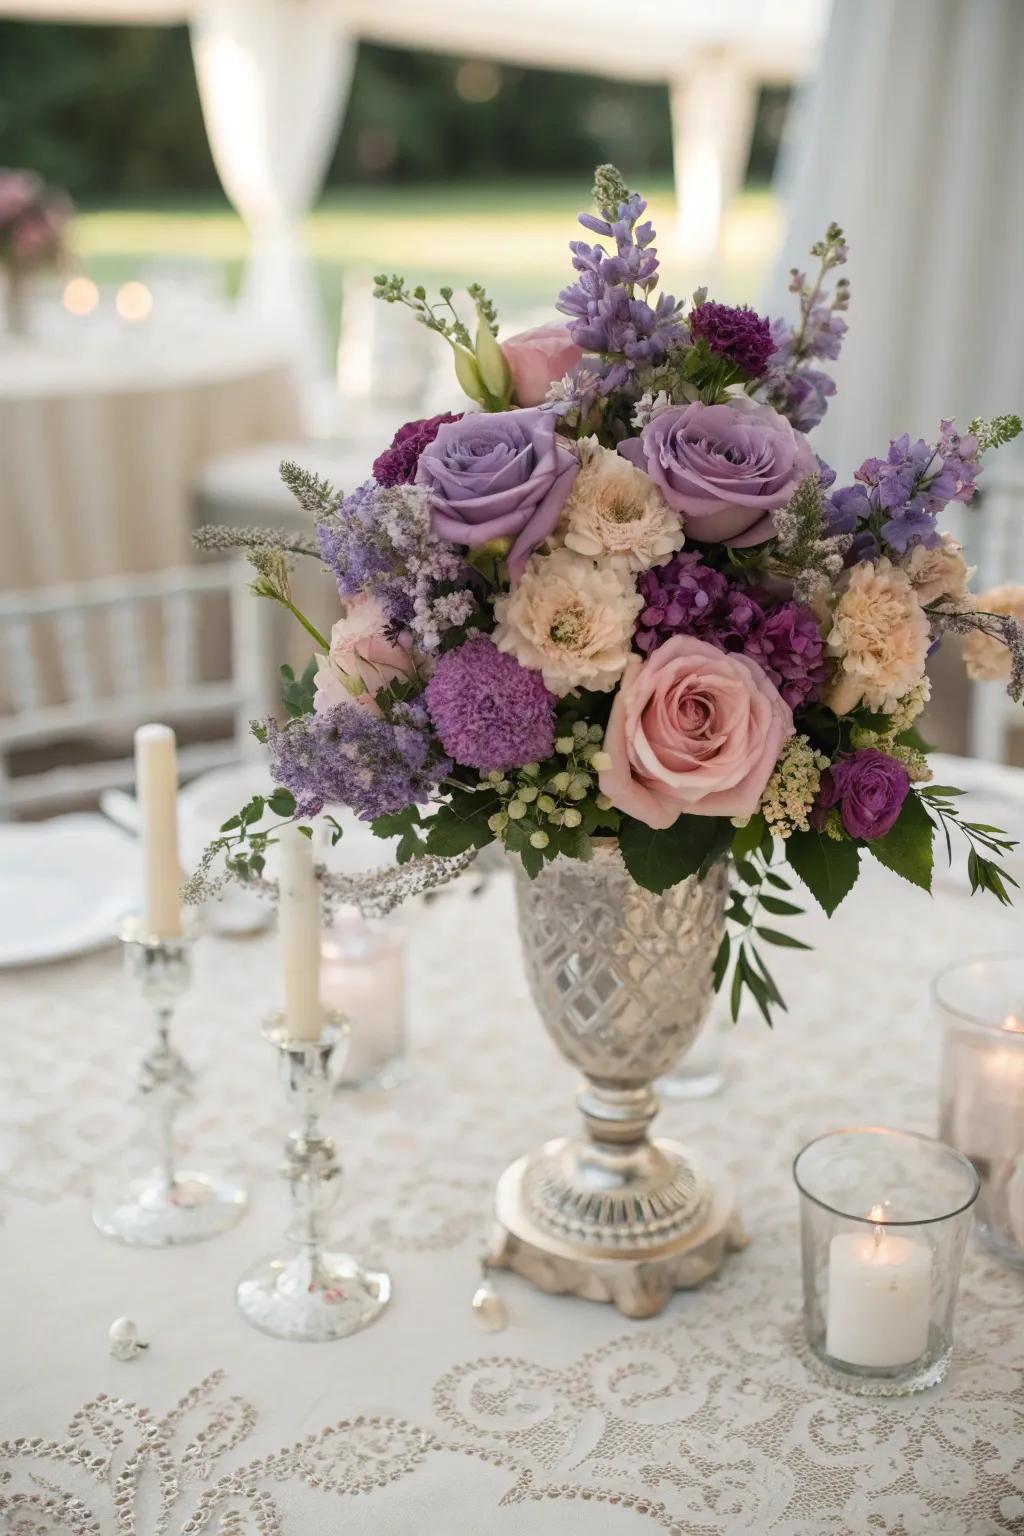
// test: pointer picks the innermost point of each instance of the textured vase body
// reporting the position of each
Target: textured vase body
(622, 980)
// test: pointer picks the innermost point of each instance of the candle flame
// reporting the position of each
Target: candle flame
(877, 1215)
(1013, 1024)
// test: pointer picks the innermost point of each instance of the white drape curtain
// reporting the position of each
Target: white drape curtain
(273, 81)
(912, 138)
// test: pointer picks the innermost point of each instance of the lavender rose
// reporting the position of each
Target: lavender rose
(869, 787)
(499, 476)
(726, 468)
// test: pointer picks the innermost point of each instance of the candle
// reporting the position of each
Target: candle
(156, 787)
(363, 977)
(879, 1297)
(299, 928)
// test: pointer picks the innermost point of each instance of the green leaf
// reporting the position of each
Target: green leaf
(940, 791)
(721, 962)
(298, 693)
(907, 848)
(231, 824)
(659, 859)
(783, 940)
(282, 802)
(774, 878)
(398, 822)
(779, 908)
(747, 839)
(829, 869)
(735, 992)
(747, 872)
(755, 985)
(449, 834)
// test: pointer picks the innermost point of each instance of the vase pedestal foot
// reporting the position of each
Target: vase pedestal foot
(638, 1279)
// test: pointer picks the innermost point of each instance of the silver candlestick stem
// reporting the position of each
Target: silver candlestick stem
(311, 1292)
(169, 1205)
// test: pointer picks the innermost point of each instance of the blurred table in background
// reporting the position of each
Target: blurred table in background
(101, 443)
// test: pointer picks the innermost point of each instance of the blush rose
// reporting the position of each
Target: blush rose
(537, 358)
(362, 659)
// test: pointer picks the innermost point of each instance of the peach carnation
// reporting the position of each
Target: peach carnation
(570, 620)
(938, 572)
(880, 637)
(616, 511)
(986, 657)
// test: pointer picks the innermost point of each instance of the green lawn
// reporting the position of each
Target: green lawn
(512, 238)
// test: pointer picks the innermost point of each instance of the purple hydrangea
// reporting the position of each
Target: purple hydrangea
(869, 787)
(355, 757)
(788, 644)
(737, 621)
(397, 464)
(740, 335)
(490, 712)
(683, 597)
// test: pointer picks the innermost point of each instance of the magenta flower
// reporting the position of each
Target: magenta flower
(397, 464)
(869, 787)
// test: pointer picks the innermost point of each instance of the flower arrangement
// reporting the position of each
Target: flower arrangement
(33, 217)
(622, 597)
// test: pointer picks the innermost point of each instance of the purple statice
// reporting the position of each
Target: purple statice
(609, 304)
(788, 644)
(738, 334)
(353, 756)
(397, 464)
(490, 712)
(379, 540)
(682, 597)
(897, 500)
(795, 388)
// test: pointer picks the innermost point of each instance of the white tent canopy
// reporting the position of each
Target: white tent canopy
(274, 75)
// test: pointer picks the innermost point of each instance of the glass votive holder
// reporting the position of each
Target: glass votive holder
(980, 1004)
(362, 975)
(884, 1217)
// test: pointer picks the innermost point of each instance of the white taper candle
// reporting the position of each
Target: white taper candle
(299, 926)
(156, 788)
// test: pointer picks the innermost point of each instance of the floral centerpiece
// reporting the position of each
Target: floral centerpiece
(622, 597)
(33, 217)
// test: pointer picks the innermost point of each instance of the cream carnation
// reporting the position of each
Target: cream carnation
(880, 636)
(570, 620)
(938, 572)
(986, 657)
(616, 511)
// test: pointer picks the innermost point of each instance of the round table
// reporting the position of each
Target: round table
(704, 1421)
(101, 441)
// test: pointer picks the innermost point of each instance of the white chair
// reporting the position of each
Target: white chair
(90, 662)
(999, 553)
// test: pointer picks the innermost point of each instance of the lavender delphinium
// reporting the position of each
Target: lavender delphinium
(799, 391)
(490, 712)
(397, 464)
(353, 756)
(897, 500)
(609, 304)
(379, 540)
(736, 334)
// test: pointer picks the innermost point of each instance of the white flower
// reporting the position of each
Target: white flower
(614, 510)
(570, 620)
(880, 635)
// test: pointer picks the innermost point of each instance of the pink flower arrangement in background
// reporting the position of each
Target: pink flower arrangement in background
(33, 218)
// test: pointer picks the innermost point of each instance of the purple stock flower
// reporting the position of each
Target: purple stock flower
(740, 335)
(351, 756)
(788, 644)
(397, 464)
(869, 787)
(506, 475)
(490, 712)
(683, 597)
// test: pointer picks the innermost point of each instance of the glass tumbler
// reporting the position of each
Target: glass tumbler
(884, 1218)
(980, 1004)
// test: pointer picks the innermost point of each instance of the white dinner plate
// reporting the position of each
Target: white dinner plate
(65, 884)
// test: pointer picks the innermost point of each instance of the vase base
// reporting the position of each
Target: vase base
(640, 1280)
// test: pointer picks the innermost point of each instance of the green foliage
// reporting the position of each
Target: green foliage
(750, 973)
(313, 493)
(996, 432)
(828, 868)
(983, 872)
(660, 859)
(907, 848)
(298, 692)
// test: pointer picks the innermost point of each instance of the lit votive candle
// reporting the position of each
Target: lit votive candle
(156, 788)
(363, 977)
(879, 1296)
(298, 919)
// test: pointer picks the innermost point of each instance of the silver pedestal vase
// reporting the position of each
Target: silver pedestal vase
(622, 980)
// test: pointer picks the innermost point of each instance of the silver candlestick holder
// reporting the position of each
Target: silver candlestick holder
(311, 1292)
(168, 1205)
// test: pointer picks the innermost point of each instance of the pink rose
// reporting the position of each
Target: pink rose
(726, 468)
(537, 358)
(362, 660)
(693, 729)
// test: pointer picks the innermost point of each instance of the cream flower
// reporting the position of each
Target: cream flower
(939, 572)
(570, 620)
(880, 636)
(614, 510)
(986, 657)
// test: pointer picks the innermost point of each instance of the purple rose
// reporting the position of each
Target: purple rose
(869, 788)
(726, 468)
(499, 476)
(397, 464)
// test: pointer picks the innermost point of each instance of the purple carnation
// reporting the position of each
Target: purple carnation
(869, 787)
(740, 335)
(490, 712)
(397, 464)
(683, 597)
(788, 644)
(353, 756)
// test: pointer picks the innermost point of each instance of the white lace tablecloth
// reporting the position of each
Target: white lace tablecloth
(574, 1421)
